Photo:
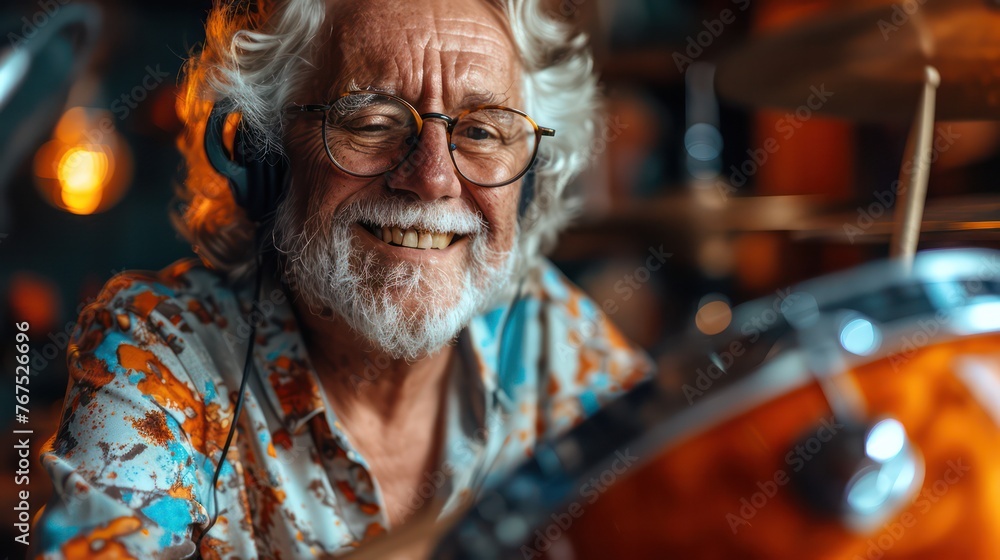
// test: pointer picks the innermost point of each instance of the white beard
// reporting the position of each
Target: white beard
(404, 309)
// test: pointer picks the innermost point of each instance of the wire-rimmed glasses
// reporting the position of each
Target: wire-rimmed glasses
(367, 134)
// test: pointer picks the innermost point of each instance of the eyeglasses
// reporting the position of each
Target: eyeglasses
(367, 134)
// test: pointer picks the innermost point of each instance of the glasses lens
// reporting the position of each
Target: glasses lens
(368, 134)
(492, 146)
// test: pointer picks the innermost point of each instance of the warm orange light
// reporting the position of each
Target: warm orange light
(82, 174)
(34, 298)
(86, 166)
(713, 317)
(74, 121)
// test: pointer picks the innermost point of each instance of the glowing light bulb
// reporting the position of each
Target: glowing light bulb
(82, 174)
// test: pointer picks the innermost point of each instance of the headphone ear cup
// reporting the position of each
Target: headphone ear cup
(527, 192)
(266, 175)
(256, 179)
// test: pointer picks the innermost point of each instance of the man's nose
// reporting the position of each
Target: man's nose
(428, 172)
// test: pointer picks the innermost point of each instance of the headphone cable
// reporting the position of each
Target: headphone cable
(247, 367)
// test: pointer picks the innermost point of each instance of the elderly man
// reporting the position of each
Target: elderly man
(408, 343)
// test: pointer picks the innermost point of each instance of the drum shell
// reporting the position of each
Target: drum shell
(726, 494)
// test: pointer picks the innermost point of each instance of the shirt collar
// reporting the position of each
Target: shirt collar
(495, 355)
(295, 394)
(288, 378)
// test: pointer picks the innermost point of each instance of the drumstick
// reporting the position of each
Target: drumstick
(914, 173)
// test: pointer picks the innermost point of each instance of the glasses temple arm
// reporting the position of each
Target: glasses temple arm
(308, 108)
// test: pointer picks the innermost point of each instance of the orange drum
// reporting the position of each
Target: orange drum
(854, 417)
(728, 493)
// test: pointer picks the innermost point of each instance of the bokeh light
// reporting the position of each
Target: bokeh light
(713, 317)
(86, 167)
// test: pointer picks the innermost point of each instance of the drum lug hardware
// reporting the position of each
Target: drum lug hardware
(864, 474)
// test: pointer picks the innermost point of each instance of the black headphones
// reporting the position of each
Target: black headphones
(257, 179)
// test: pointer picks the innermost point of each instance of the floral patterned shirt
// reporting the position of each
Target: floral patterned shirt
(155, 365)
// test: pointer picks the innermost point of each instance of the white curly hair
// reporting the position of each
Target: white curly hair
(254, 57)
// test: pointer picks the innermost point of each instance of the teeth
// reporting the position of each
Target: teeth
(442, 240)
(410, 238)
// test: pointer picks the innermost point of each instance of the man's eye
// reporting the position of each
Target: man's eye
(370, 129)
(477, 133)
(371, 126)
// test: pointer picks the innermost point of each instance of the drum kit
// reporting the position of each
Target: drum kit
(855, 416)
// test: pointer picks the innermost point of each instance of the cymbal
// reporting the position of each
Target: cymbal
(804, 217)
(872, 60)
(957, 218)
(711, 210)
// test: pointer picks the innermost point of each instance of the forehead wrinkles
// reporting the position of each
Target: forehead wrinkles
(469, 53)
(425, 57)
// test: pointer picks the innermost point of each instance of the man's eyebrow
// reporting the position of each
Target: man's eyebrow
(335, 91)
(475, 99)
(375, 89)
(469, 100)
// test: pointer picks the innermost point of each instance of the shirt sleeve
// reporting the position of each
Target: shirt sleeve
(590, 363)
(128, 464)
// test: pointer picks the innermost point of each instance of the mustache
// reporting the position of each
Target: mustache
(386, 210)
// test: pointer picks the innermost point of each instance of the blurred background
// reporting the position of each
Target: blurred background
(731, 202)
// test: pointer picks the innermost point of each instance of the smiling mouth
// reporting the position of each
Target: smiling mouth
(412, 238)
